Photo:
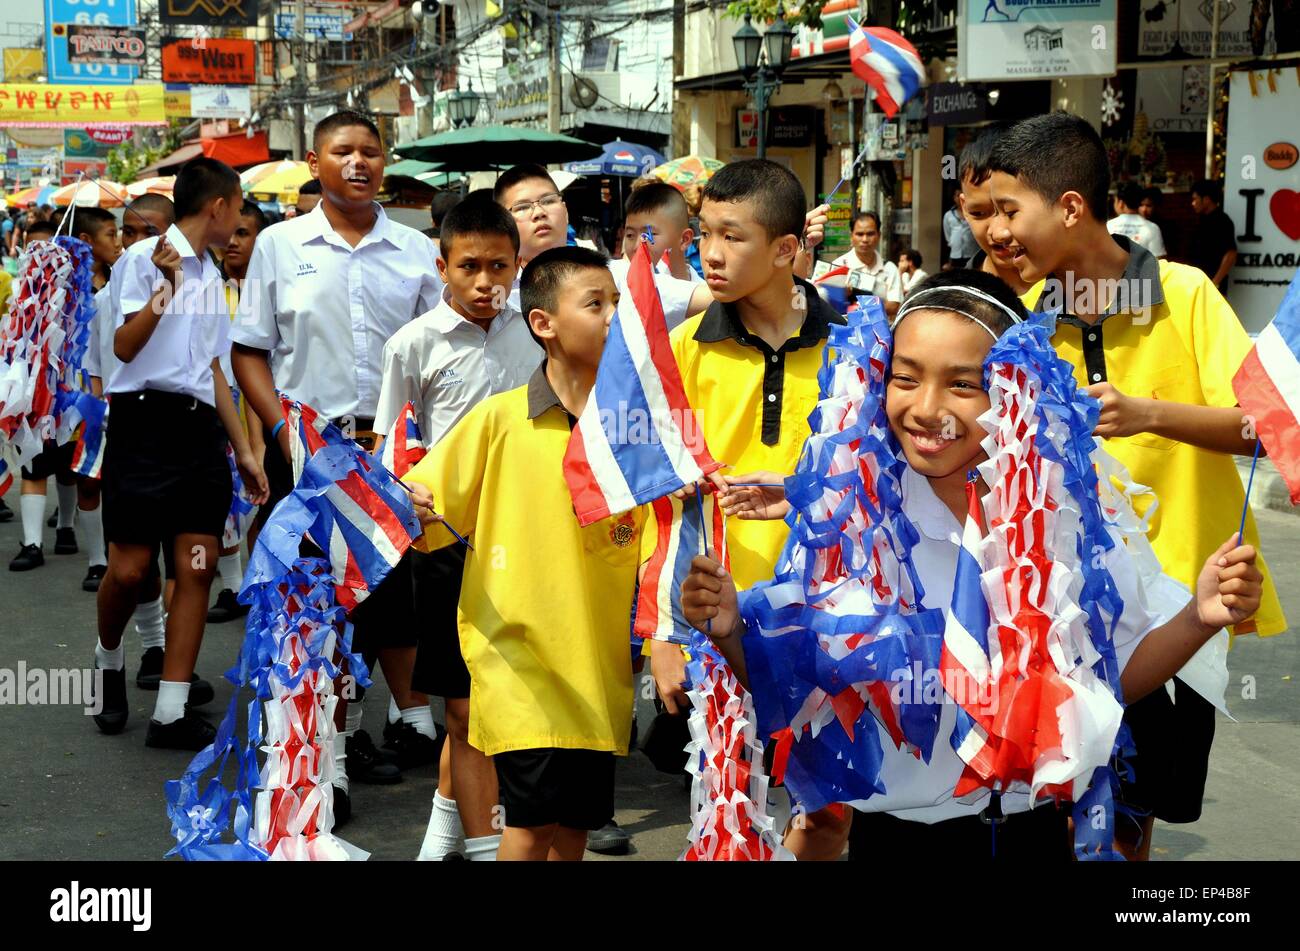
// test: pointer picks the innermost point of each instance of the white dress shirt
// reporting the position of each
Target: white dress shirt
(100, 360)
(445, 364)
(880, 278)
(324, 309)
(674, 293)
(1136, 228)
(923, 792)
(193, 330)
(909, 281)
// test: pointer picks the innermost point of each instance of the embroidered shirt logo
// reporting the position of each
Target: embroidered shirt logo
(446, 376)
(305, 267)
(622, 533)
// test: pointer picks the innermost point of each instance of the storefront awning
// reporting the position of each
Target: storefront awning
(238, 151)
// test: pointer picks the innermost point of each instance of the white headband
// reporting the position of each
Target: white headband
(912, 305)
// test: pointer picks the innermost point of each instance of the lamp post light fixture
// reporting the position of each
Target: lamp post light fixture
(462, 107)
(762, 59)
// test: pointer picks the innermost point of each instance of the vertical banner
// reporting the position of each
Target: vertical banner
(1261, 192)
(60, 13)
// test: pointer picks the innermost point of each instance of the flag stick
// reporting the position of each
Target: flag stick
(1245, 507)
(459, 537)
(704, 537)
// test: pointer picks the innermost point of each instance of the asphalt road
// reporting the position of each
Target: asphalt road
(71, 793)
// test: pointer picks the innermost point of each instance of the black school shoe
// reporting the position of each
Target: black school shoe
(112, 716)
(190, 732)
(365, 764)
(6, 513)
(53, 520)
(94, 576)
(226, 608)
(342, 807)
(150, 675)
(609, 840)
(411, 748)
(28, 557)
(65, 541)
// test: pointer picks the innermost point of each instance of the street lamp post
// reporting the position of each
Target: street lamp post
(462, 107)
(762, 59)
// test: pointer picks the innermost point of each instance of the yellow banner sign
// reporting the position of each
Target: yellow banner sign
(176, 103)
(23, 65)
(59, 105)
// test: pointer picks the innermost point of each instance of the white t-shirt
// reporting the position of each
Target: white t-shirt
(445, 364)
(910, 281)
(880, 278)
(194, 328)
(1136, 228)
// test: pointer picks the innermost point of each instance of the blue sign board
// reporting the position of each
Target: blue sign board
(317, 26)
(59, 13)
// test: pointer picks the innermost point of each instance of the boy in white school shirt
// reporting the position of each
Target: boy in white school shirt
(165, 475)
(324, 292)
(472, 345)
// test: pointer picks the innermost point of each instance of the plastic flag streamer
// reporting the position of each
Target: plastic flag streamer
(637, 438)
(88, 458)
(43, 339)
(240, 506)
(403, 447)
(296, 641)
(846, 611)
(729, 817)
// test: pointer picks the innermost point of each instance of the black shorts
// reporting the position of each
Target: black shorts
(165, 470)
(572, 788)
(52, 461)
(386, 618)
(440, 669)
(1039, 835)
(1173, 740)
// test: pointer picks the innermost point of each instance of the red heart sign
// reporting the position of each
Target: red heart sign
(1284, 206)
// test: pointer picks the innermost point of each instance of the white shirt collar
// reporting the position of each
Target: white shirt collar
(925, 509)
(321, 228)
(445, 319)
(176, 238)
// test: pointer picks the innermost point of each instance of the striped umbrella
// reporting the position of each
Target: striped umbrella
(687, 170)
(251, 176)
(96, 193)
(159, 185)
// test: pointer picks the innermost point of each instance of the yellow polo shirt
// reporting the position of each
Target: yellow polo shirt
(545, 606)
(752, 403)
(1176, 339)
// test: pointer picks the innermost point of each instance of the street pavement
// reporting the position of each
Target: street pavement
(67, 792)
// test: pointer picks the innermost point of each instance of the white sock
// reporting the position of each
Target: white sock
(32, 510)
(149, 624)
(444, 833)
(171, 701)
(92, 526)
(67, 503)
(483, 849)
(106, 659)
(231, 570)
(394, 714)
(341, 761)
(421, 718)
(352, 719)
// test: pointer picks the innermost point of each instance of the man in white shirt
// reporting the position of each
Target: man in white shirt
(957, 234)
(1131, 224)
(909, 270)
(324, 293)
(869, 271)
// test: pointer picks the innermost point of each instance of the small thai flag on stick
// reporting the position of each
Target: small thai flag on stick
(887, 63)
(403, 447)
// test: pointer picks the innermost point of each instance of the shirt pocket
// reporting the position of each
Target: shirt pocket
(1172, 384)
(614, 540)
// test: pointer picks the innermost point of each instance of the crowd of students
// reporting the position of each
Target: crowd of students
(495, 334)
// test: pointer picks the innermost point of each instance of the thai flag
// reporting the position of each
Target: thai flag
(1268, 388)
(403, 447)
(363, 520)
(6, 477)
(88, 459)
(310, 432)
(887, 63)
(969, 658)
(637, 438)
(687, 527)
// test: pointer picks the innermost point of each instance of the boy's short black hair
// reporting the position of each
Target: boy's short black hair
(913, 255)
(199, 182)
(90, 221)
(252, 210)
(310, 187)
(1055, 153)
(444, 202)
(40, 230)
(777, 197)
(477, 214)
(519, 173)
(1154, 194)
(156, 203)
(341, 120)
(657, 196)
(1208, 188)
(1130, 193)
(995, 318)
(545, 274)
(975, 157)
(865, 214)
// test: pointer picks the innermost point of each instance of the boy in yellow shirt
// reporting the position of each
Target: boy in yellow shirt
(544, 604)
(1157, 344)
(749, 368)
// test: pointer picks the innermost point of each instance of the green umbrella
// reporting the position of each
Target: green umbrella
(479, 148)
(410, 168)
